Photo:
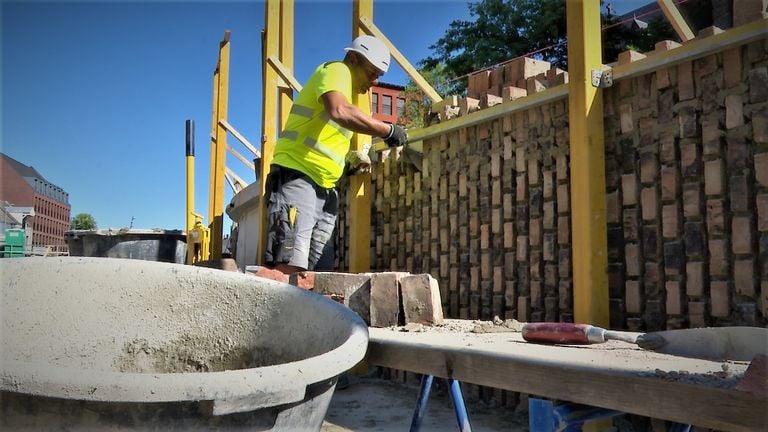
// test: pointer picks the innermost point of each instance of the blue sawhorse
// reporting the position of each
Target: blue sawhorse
(456, 397)
(553, 416)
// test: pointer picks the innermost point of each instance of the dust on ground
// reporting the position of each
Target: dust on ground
(378, 405)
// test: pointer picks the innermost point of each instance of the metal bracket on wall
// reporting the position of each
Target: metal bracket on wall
(602, 78)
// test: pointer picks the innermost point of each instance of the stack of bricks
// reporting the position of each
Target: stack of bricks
(381, 299)
(509, 81)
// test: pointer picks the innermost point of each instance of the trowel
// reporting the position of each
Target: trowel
(711, 343)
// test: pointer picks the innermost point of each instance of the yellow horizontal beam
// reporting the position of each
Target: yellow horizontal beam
(284, 73)
(694, 49)
(239, 137)
(371, 29)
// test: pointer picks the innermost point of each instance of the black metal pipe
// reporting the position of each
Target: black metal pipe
(190, 137)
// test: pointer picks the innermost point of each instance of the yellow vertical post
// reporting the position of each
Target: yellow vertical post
(219, 150)
(286, 57)
(587, 148)
(359, 214)
(214, 122)
(269, 106)
(190, 217)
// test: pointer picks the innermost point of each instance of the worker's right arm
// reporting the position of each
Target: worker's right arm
(352, 118)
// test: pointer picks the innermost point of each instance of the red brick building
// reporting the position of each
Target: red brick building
(23, 186)
(387, 102)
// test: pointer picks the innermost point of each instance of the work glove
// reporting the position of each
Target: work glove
(397, 136)
(358, 161)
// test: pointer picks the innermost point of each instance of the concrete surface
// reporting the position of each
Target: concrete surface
(378, 405)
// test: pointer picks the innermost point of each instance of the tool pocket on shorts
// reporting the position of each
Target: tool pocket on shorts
(282, 232)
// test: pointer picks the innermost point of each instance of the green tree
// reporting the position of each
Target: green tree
(82, 221)
(417, 105)
(501, 30)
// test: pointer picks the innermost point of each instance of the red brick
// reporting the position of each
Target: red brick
(421, 299)
(522, 68)
(549, 215)
(755, 378)
(691, 200)
(305, 280)
(509, 235)
(563, 230)
(626, 120)
(694, 272)
(354, 289)
(509, 93)
(715, 216)
(271, 274)
(744, 277)
(563, 198)
(634, 298)
(720, 299)
(385, 298)
(562, 166)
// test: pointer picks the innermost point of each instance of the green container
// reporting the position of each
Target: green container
(15, 240)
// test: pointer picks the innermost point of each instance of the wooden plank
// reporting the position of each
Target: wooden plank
(675, 18)
(371, 28)
(284, 73)
(240, 138)
(616, 375)
(242, 158)
(219, 151)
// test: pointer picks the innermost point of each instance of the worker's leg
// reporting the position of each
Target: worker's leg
(292, 217)
(327, 205)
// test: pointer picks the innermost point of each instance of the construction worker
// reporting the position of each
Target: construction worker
(313, 152)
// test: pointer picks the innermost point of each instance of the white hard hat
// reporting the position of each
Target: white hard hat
(372, 49)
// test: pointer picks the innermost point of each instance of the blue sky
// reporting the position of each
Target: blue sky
(95, 94)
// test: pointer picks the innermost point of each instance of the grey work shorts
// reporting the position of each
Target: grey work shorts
(301, 218)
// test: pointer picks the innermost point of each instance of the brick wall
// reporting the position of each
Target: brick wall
(487, 211)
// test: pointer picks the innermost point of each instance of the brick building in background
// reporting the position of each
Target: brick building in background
(23, 186)
(387, 102)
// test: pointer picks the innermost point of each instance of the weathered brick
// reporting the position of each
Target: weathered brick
(716, 216)
(694, 272)
(632, 259)
(652, 278)
(674, 258)
(718, 258)
(626, 121)
(741, 235)
(685, 88)
(629, 189)
(692, 200)
(421, 299)
(762, 212)
(690, 159)
(734, 111)
(764, 298)
(760, 126)
(738, 150)
(651, 241)
(612, 207)
(713, 177)
(649, 167)
(761, 169)
(385, 298)
(744, 277)
(523, 308)
(697, 314)
(670, 183)
(739, 194)
(563, 230)
(634, 297)
(564, 263)
(746, 11)
(631, 224)
(675, 294)
(719, 299)
(355, 289)
(563, 198)
(695, 238)
(522, 248)
(732, 67)
(671, 221)
(650, 206)
(711, 134)
(758, 85)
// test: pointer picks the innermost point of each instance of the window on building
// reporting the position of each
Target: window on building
(400, 107)
(374, 102)
(386, 105)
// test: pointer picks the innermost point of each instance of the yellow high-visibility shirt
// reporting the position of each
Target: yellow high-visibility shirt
(311, 142)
